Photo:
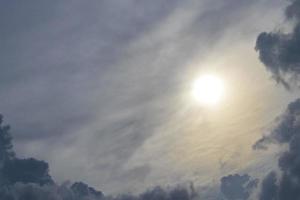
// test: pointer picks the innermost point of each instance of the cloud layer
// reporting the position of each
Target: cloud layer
(29, 179)
(100, 80)
(95, 81)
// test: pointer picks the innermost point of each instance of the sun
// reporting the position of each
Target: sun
(208, 89)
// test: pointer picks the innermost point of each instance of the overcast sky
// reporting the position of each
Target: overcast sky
(101, 89)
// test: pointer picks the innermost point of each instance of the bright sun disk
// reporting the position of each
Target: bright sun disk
(208, 89)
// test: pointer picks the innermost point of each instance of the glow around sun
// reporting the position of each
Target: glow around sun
(208, 89)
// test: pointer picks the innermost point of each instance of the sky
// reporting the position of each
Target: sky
(101, 91)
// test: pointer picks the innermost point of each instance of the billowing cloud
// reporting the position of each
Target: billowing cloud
(286, 130)
(30, 179)
(284, 186)
(279, 51)
(26, 171)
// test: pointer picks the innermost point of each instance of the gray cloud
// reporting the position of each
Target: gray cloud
(269, 187)
(65, 65)
(6, 147)
(237, 187)
(287, 185)
(280, 51)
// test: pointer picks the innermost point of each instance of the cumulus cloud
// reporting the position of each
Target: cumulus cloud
(26, 171)
(279, 51)
(29, 179)
(285, 185)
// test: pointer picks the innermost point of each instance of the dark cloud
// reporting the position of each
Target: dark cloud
(237, 187)
(158, 193)
(161, 194)
(31, 191)
(29, 179)
(286, 186)
(6, 147)
(81, 189)
(286, 130)
(280, 52)
(26, 171)
(269, 187)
